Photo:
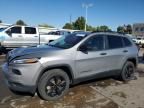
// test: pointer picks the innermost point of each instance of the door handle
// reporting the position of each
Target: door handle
(35, 36)
(19, 36)
(103, 53)
(125, 51)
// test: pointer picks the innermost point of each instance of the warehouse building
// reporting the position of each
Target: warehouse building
(138, 29)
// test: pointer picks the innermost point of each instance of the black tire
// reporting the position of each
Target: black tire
(53, 84)
(128, 71)
(142, 45)
(2, 50)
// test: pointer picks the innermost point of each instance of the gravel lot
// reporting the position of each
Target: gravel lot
(103, 93)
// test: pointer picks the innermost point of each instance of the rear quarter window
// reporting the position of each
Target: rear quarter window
(127, 42)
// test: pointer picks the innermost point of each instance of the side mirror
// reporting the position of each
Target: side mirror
(9, 33)
(83, 48)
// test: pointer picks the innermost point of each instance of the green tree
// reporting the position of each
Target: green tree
(90, 28)
(120, 29)
(129, 29)
(45, 25)
(125, 29)
(0, 21)
(102, 28)
(20, 22)
(79, 24)
(68, 26)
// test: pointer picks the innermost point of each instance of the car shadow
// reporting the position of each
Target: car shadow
(102, 82)
(141, 59)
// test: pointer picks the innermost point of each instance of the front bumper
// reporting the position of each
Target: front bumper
(23, 82)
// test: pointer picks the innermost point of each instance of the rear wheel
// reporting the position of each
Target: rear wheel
(128, 71)
(53, 84)
(142, 45)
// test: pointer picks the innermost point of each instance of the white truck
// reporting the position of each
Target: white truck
(21, 36)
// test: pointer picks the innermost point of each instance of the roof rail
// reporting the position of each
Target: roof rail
(108, 32)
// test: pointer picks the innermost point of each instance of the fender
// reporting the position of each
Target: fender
(64, 67)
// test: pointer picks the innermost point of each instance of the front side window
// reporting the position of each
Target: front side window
(16, 30)
(114, 42)
(95, 43)
(30, 30)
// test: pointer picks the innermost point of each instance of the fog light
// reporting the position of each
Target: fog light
(15, 71)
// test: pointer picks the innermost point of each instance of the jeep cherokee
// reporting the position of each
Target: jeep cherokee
(51, 69)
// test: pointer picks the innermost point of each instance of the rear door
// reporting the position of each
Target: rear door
(31, 36)
(115, 52)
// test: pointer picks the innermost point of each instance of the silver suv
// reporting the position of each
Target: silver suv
(51, 69)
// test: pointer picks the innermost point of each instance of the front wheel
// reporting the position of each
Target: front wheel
(53, 84)
(128, 71)
(2, 50)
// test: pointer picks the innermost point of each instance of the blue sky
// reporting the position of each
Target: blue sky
(57, 12)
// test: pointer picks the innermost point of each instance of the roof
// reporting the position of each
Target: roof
(111, 32)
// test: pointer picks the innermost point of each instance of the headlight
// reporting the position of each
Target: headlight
(25, 61)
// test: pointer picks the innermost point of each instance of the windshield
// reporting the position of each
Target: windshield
(1, 29)
(68, 41)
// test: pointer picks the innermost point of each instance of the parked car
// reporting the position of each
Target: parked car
(20, 36)
(59, 32)
(69, 60)
(140, 41)
(81, 32)
(134, 39)
(53, 35)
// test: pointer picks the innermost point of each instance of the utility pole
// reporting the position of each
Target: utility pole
(86, 6)
(70, 19)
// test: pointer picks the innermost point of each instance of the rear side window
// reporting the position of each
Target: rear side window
(16, 30)
(126, 42)
(30, 30)
(114, 42)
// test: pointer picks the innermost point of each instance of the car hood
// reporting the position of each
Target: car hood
(38, 50)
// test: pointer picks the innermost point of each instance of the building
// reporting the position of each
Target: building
(138, 29)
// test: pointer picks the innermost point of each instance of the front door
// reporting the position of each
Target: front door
(94, 60)
(15, 37)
